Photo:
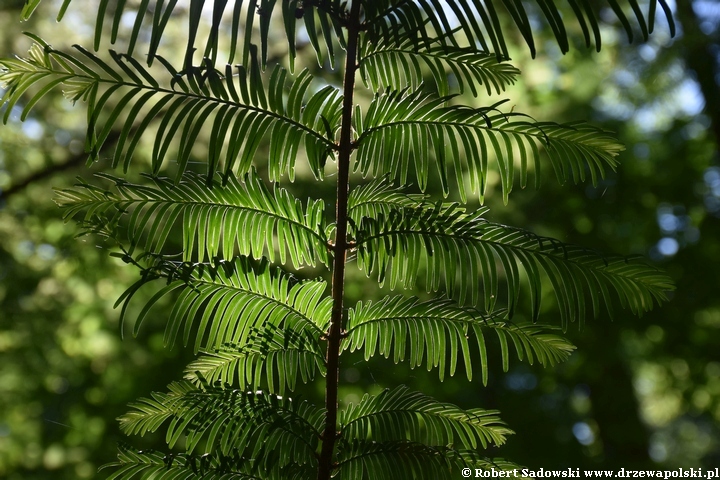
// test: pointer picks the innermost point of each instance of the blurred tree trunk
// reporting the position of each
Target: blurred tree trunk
(624, 436)
(697, 48)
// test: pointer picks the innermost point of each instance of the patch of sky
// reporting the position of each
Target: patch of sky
(302, 34)
(657, 451)
(690, 97)
(708, 11)
(627, 98)
(583, 433)
(32, 129)
(648, 52)
(685, 101)
(625, 78)
(667, 220)
(668, 246)
(452, 19)
(610, 104)
(81, 27)
(677, 231)
(127, 19)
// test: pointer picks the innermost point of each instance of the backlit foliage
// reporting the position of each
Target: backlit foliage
(260, 330)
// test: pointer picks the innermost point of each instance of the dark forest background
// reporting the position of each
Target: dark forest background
(638, 392)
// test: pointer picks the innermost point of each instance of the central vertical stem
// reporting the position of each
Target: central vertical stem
(340, 249)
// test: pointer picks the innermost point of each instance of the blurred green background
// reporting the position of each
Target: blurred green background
(638, 393)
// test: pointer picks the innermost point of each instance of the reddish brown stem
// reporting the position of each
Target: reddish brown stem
(334, 335)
